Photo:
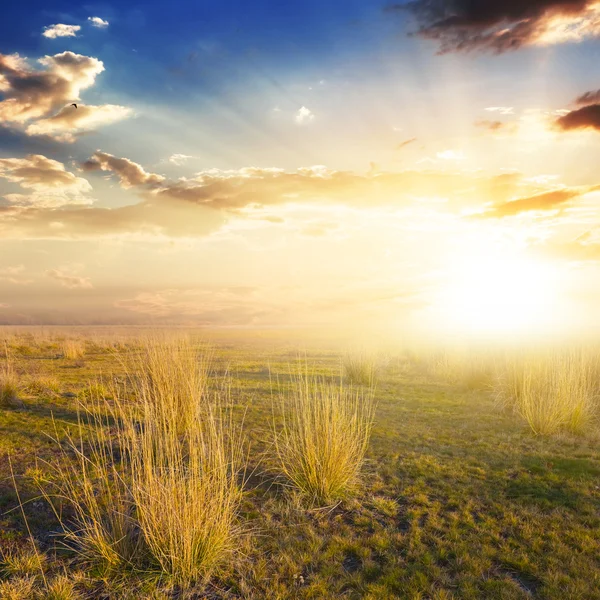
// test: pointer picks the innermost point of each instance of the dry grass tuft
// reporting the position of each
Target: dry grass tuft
(60, 588)
(73, 349)
(21, 588)
(21, 563)
(9, 381)
(9, 385)
(156, 484)
(184, 461)
(326, 430)
(42, 385)
(360, 369)
(552, 392)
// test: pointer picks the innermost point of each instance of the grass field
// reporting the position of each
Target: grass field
(460, 494)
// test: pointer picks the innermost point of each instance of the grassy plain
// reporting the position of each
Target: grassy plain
(458, 496)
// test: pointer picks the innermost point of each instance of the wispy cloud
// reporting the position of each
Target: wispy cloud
(406, 143)
(14, 275)
(539, 202)
(98, 22)
(589, 98)
(60, 30)
(69, 280)
(503, 110)
(179, 159)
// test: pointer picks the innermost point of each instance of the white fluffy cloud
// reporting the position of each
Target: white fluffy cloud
(60, 30)
(39, 100)
(304, 116)
(49, 183)
(130, 173)
(98, 22)
(70, 120)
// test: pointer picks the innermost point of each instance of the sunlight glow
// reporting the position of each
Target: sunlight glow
(494, 292)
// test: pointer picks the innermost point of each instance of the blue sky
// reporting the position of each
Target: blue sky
(218, 142)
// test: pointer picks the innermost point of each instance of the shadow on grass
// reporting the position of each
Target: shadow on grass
(543, 493)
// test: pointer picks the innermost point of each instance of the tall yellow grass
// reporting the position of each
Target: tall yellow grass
(185, 458)
(552, 391)
(73, 349)
(9, 381)
(324, 437)
(158, 482)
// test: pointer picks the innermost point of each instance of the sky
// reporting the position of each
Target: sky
(416, 168)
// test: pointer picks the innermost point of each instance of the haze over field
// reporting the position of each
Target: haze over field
(424, 167)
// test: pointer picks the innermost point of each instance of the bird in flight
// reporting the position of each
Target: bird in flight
(75, 105)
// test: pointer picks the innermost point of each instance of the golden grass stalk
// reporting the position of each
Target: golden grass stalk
(553, 391)
(324, 437)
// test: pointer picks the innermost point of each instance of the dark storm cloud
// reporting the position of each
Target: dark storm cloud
(503, 25)
(587, 117)
(589, 98)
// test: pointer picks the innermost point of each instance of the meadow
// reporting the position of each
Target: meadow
(261, 465)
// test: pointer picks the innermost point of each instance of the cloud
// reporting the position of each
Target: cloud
(503, 110)
(98, 22)
(501, 26)
(179, 159)
(70, 120)
(589, 98)
(60, 30)
(406, 143)
(234, 190)
(538, 202)
(304, 116)
(214, 305)
(587, 117)
(490, 125)
(200, 205)
(130, 173)
(14, 275)
(496, 126)
(69, 280)
(50, 182)
(39, 100)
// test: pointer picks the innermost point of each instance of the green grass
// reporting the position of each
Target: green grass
(457, 498)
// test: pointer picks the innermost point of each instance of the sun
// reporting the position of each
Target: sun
(498, 292)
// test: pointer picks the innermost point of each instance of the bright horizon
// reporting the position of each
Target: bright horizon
(420, 168)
